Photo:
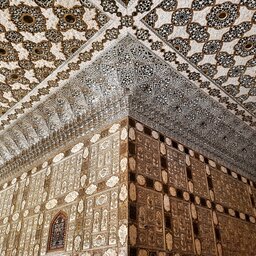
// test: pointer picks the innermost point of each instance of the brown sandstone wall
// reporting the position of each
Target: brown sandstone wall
(181, 203)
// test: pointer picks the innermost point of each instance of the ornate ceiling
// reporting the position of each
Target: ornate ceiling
(217, 38)
(187, 66)
(36, 38)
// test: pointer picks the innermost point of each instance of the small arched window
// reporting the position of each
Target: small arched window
(57, 232)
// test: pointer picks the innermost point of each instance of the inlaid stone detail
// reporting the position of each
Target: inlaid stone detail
(237, 237)
(36, 189)
(148, 156)
(104, 158)
(181, 227)
(206, 231)
(101, 220)
(231, 192)
(5, 201)
(3, 238)
(176, 166)
(150, 219)
(18, 201)
(28, 235)
(51, 204)
(199, 178)
(71, 196)
(66, 175)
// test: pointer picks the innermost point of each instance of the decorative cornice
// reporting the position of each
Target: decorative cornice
(158, 94)
(81, 126)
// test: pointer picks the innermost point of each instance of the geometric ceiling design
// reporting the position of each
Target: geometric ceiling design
(44, 45)
(219, 39)
(37, 37)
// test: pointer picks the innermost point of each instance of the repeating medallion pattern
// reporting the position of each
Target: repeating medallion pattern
(36, 38)
(135, 74)
(215, 36)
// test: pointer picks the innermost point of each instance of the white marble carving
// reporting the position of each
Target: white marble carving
(91, 189)
(123, 193)
(86, 153)
(95, 138)
(123, 164)
(112, 181)
(77, 148)
(58, 157)
(51, 204)
(114, 128)
(71, 197)
(122, 233)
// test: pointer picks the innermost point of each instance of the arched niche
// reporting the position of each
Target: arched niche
(57, 232)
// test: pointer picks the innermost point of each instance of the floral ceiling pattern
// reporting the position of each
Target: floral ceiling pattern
(36, 38)
(219, 39)
(44, 45)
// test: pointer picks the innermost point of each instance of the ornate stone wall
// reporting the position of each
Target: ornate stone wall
(181, 203)
(87, 185)
(128, 190)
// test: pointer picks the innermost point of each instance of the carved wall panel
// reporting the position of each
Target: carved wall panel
(87, 182)
(104, 159)
(28, 235)
(230, 192)
(106, 205)
(12, 241)
(206, 231)
(20, 191)
(176, 168)
(148, 156)
(181, 227)
(150, 219)
(238, 238)
(65, 175)
(36, 189)
(5, 201)
(101, 220)
(199, 178)
(195, 203)
(2, 238)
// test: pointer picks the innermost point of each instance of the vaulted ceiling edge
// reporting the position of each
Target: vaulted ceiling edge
(157, 93)
(44, 46)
